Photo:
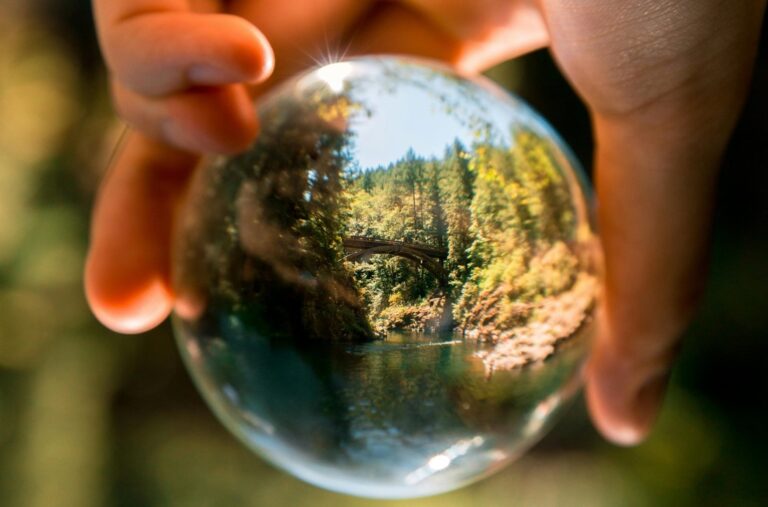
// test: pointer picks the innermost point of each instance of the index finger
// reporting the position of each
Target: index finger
(158, 47)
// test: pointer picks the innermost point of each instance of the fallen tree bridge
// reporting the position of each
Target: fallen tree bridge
(360, 249)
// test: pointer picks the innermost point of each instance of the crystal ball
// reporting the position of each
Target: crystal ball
(390, 293)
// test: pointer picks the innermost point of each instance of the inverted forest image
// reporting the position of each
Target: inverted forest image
(405, 203)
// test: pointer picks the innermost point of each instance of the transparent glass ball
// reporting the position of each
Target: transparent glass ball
(390, 293)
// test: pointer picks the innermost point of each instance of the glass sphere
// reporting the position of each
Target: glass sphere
(390, 293)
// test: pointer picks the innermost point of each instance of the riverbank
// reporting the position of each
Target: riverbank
(431, 315)
(551, 320)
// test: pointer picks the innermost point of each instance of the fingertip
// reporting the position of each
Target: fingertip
(238, 135)
(160, 53)
(127, 306)
(214, 120)
(126, 276)
(624, 399)
(610, 421)
(248, 58)
(263, 66)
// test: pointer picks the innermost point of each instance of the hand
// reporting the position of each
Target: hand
(664, 82)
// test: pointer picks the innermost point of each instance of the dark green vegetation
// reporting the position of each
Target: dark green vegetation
(269, 246)
(504, 217)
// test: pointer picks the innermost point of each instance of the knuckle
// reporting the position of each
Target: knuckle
(135, 112)
(650, 52)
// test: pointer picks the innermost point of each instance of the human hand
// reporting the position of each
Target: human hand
(664, 82)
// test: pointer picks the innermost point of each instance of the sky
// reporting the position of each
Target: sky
(410, 118)
(406, 115)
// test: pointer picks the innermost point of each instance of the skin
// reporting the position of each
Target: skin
(664, 81)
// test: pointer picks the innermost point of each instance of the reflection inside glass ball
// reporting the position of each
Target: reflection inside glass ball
(390, 293)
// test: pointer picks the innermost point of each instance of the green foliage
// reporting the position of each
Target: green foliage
(488, 227)
(279, 262)
(503, 216)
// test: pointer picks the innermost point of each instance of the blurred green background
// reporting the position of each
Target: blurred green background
(90, 418)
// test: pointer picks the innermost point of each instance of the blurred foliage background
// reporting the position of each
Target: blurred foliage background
(90, 418)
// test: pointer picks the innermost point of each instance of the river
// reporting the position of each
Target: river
(411, 410)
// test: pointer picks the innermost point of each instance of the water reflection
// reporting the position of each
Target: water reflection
(387, 414)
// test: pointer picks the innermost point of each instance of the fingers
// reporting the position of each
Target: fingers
(665, 91)
(158, 48)
(492, 30)
(127, 275)
(218, 120)
(395, 29)
(302, 33)
(174, 71)
(655, 191)
(430, 29)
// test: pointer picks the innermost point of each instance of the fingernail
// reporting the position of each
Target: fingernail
(268, 66)
(211, 76)
(268, 59)
(644, 411)
(612, 412)
(626, 436)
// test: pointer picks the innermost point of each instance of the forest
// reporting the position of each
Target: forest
(474, 241)
(503, 216)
